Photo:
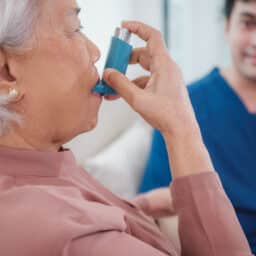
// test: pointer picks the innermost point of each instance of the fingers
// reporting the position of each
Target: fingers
(111, 97)
(142, 57)
(152, 36)
(141, 82)
(136, 54)
(142, 30)
(121, 84)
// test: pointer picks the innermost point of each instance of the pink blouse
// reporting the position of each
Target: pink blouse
(49, 206)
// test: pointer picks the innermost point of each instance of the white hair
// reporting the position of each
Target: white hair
(17, 18)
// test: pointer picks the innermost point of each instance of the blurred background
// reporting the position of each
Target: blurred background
(116, 151)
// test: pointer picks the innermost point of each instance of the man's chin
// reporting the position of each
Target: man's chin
(250, 72)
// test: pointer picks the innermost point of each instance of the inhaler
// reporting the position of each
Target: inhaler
(118, 58)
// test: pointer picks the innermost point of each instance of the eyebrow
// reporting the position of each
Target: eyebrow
(248, 15)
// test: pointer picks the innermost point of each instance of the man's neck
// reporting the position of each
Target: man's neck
(244, 88)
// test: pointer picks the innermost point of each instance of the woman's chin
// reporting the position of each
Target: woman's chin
(97, 96)
(96, 100)
(93, 124)
(91, 117)
(90, 125)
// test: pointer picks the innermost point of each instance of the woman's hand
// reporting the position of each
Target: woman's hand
(161, 99)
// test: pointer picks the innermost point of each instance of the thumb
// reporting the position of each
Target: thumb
(121, 84)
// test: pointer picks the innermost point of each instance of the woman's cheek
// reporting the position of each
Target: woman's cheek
(80, 53)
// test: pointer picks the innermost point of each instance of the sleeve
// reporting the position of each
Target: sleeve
(207, 225)
(157, 160)
(112, 243)
(207, 221)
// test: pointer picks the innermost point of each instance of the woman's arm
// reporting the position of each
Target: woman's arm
(208, 225)
(112, 243)
(207, 221)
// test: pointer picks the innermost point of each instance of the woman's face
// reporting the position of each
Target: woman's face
(57, 76)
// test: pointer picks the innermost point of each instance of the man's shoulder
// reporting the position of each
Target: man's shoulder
(204, 86)
(204, 93)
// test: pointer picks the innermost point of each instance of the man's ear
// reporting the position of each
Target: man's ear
(227, 28)
(2, 64)
(8, 82)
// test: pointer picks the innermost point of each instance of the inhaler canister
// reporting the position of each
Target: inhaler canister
(118, 58)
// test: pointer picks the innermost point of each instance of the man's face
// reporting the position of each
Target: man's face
(241, 35)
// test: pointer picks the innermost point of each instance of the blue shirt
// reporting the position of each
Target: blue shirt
(229, 133)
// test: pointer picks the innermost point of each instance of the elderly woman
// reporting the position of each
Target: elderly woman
(48, 204)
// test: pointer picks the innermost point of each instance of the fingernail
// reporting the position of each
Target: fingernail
(124, 22)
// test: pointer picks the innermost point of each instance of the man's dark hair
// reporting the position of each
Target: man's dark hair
(229, 6)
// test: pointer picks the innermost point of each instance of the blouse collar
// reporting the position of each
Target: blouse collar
(20, 162)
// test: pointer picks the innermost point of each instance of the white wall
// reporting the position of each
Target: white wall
(197, 36)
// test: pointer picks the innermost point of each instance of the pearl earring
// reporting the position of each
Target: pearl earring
(13, 93)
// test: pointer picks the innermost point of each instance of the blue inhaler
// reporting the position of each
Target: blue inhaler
(118, 58)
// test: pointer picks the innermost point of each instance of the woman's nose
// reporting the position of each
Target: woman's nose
(94, 51)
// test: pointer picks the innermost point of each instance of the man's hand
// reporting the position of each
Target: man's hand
(159, 203)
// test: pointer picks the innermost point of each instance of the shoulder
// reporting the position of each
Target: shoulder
(203, 87)
(204, 94)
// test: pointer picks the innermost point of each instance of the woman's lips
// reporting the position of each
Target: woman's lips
(97, 95)
(95, 83)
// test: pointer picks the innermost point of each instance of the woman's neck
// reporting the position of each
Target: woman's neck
(19, 141)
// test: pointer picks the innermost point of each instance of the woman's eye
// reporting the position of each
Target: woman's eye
(79, 29)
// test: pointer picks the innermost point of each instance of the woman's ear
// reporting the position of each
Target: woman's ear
(8, 84)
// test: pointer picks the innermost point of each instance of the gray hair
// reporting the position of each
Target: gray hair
(16, 28)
